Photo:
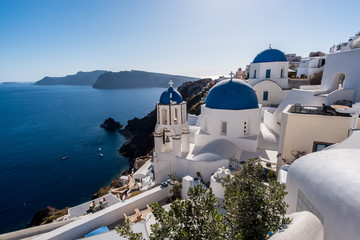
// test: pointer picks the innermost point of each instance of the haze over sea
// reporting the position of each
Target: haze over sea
(40, 125)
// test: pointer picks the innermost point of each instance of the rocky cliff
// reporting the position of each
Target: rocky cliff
(138, 79)
(80, 78)
(47, 215)
(140, 131)
(111, 125)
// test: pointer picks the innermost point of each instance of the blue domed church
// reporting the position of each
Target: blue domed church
(229, 125)
(268, 75)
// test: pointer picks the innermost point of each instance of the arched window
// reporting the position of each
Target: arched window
(282, 73)
(255, 73)
(164, 116)
(176, 116)
(338, 81)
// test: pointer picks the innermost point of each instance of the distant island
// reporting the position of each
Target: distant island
(14, 83)
(80, 79)
(114, 80)
(138, 79)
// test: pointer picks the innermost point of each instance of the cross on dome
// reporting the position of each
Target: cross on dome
(231, 75)
(270, 46)
(171, 83)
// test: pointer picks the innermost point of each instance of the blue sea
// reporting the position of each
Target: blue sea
(41, 124)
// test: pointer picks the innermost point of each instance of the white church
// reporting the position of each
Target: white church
(229, 125)
(268, 75)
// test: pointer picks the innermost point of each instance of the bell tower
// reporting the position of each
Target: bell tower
(171, 133)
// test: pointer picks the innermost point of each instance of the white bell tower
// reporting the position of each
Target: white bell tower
(171, 133)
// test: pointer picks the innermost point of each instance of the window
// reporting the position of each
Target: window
(265, 95)
(282, 73)
(223, 128)
(267, 73)
(318, 146)
(254, 73)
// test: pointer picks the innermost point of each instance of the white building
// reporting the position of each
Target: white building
(268, 75)
(229, 124)
(310, 66)
(310, 129)
(352, 43)
(340, 81)
(327, 183)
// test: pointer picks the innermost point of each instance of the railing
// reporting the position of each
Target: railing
(234, 163)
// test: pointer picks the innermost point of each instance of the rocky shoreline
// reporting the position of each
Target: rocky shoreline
(139, 144)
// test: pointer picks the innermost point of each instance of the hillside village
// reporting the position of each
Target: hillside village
(305, 134)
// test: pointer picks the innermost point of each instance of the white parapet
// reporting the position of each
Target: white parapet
(107, 216)
(187, 182)
(216, 182)
(304, 226)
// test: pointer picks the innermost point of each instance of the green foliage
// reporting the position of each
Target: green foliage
(271, 176)
(127, 232)
(195, 218)
(253, 208)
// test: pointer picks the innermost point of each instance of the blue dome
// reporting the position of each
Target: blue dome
(270, 55)
(172, 95)
(232, 95)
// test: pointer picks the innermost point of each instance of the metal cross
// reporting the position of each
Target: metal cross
(231, 75)
(171, 83)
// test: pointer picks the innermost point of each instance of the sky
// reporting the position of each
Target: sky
(196, 38)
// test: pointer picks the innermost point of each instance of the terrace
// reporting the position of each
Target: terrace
(325, 110)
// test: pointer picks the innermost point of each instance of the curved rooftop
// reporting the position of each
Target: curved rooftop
(337, 197)
(270, 55)
(232, 95)
(170, 96)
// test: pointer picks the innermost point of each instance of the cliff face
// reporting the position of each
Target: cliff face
(140, 131)
(138, 79)
(47, 215)
(80, 78)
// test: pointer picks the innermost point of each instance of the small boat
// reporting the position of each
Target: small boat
(101, 155)
(99, 149)
(63, 158)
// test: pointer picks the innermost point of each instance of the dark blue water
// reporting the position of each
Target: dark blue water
(41, 124)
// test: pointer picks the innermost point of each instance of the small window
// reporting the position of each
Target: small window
(318, 146)
(246, 129)
(254, 73)
(268, 71)
(282, 73)
(223, 128)
(265, 96)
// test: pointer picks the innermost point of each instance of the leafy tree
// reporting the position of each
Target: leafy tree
(128, 232)
(195, 218)
(253, 208)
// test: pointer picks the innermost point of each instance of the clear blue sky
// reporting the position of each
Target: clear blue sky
(190, 37)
